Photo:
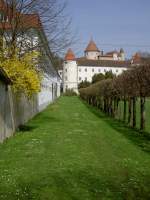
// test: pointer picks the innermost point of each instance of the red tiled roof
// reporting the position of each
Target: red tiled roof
(111, 53)
(70, 55)
(137, 55)
(91, 47)
(108, 55)
(31, 21)
(24, 20)
(136, 58)
(102, 63)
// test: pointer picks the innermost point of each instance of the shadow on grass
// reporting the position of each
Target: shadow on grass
(26, 128)
(45, 117)
(37, 122)
(141, 139)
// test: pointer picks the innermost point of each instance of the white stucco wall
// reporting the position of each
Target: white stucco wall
(92, 55)
(87, 72)
(50, 90)
(115, 56)
(73, 74)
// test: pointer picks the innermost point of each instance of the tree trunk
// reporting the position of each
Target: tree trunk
(142, 104)
(129, 110)
(100, 104)
(105, 105)
(111, 107)
(117, 107)
(108, 106)
(97, 102)
(134, 112)
(125, 110)
(89, 100)
(93, 101)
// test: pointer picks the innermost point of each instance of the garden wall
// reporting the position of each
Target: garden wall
(14, 111)
(17, 110)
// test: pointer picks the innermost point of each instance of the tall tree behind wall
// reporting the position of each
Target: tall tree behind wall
(52, 13)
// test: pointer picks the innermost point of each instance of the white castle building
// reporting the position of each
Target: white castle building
(76, 70)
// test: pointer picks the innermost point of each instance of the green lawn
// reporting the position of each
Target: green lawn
(74, 152)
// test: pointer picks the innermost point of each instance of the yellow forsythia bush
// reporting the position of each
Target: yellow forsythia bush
(23, 72)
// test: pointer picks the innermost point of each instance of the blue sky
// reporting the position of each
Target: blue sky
(112, 24)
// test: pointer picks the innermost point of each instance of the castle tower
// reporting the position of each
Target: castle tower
(136, 58)
(92, 52)
(70, 72)
(122, 55)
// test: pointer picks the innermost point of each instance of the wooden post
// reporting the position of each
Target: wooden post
(124, 110)
(134, 112)
(129, 110)
(142, 105)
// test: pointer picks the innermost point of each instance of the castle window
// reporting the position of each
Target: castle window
(99, 70)
(92, 70)
(79, 70)
(116, 70)
(65, 70)
(85, 78)
(85, 69)
(105, 70)
(80, 78)
(7, 19)
(66, 78)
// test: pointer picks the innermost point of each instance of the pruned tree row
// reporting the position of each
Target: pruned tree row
(126, 89)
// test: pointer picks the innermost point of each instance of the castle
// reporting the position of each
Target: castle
(75, 70)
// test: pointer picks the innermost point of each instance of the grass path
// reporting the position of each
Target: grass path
(73, 152)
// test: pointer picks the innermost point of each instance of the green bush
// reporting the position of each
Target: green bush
(70, 92)
(84, 84)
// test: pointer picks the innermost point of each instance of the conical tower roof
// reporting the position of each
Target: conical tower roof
(91, 46)
(121, 50)
(70, 55)
(136, 57)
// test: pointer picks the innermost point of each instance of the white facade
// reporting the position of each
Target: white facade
(74, 74)
(85, 73)
(50, 90)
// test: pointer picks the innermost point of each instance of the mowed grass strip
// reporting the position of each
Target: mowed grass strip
(72, 151)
